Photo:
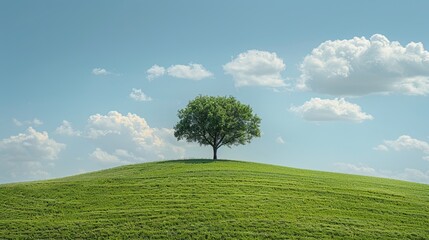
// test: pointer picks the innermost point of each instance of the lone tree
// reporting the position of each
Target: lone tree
(217, 121)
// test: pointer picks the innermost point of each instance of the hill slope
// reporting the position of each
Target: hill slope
(203, 199)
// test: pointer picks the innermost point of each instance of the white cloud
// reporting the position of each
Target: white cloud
(155, 71)
(331, 110)
(104, 157)
(66, 129)
(191, 71)
(118, 156)
(405, 142)
(30, 146)
(280, 140)
(100, 72)
(37, 122)
(408, 174)
(139, 95)
(381, 147)
(131, 138)
(355, 169)
(414, 175)
(34, 122)
(28, 155)
(116, 123)
(93, 133)
(124, 154)
(256, 68)
(360, 66)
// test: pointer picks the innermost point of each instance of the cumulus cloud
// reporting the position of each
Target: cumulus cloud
(66, 129)
(155, 71)
(405, 142)
(256, 68)
(336, 109)
(100, 72)
(191, 71)
(130, 139)
(29, 146)
(139, 95)
(116, 123)
(27, 155)
(361, 66)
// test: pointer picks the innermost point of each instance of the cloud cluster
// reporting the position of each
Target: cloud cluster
(130, 138)
(191, 71)
(29, 146)
(117, 139)
(405, 142)
(121, 139)
(256, 68)
(139, 95)
(361, 66)
(336, 109)
(27, 154)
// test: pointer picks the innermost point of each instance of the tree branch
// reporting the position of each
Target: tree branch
(210, 143)
(219, 144)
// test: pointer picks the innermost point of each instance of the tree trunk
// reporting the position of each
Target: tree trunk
(214, 153)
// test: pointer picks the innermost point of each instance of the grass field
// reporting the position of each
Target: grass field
(205, 199)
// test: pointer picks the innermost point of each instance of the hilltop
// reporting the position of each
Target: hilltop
(205, 199)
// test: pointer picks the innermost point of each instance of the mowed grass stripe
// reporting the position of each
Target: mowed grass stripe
(204, 199)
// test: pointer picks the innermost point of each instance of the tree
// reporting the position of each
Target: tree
(217, 121)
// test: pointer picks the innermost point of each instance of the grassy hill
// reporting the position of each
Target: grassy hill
(204, 199)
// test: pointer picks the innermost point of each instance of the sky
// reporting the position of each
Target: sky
(340, 86)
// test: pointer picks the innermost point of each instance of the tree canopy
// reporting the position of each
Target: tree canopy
(217, 121)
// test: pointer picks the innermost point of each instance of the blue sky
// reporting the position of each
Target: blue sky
(340, 86)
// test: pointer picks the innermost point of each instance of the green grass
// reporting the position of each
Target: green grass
(204, 199)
